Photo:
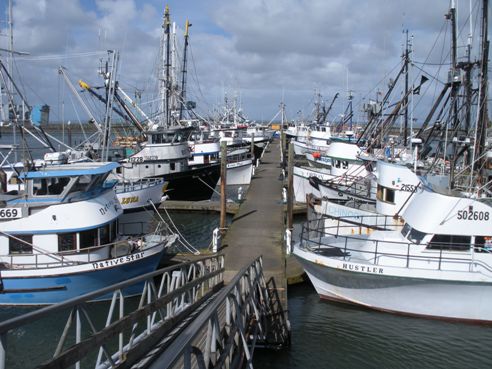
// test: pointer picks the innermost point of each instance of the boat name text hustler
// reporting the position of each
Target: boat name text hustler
(363, 268)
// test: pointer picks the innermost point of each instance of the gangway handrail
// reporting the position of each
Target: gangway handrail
(181, 285)
(244, 326)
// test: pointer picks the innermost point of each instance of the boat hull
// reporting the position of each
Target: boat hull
(379, 287)
(139, 196)
(21, 287)
(194, 184)
(302, 186)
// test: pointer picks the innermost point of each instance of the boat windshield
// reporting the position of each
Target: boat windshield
(412, 234)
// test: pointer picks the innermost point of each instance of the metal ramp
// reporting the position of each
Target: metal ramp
(244, 315)
(184, 318)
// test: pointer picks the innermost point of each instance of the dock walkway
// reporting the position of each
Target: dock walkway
(257, 228)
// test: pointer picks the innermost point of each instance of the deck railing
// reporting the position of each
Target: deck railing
(344, 238)
(67, 258)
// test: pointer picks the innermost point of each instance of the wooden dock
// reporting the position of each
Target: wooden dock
(206, 206)
(258, 227)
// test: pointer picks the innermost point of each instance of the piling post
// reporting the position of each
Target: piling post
(290, 187)
(252, 148)
(282, 148)
(69, 132)
(223, 179)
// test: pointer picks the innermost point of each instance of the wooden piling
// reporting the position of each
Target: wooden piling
(290, 188)
(223, 181)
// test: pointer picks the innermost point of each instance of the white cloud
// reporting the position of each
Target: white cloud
(264, 49)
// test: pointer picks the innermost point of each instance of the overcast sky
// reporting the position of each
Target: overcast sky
(259, 50)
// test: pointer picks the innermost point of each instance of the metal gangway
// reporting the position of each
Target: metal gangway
(184, 318)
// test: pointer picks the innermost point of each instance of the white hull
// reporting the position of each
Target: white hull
(137, 195)
(434, 293)
(301, 148)
(302, 187)
(239, 173)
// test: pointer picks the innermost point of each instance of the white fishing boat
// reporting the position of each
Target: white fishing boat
(140, 194)
(396, 184)
(239, 167)
(438, 264)
(59, 236)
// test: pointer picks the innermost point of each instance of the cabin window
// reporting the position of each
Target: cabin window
(157, 139)
(449, 242)
(345, 164)
(406, 228)
(49, 186)
(88, 238)
(337, 163)
(82, 183)
(20, 244)
(67, 241)
(58, 185)
(172, 166)
(39, 186)
(105, 234)
(416, 236)
(385, 194)
(14, 179)
(113, 230)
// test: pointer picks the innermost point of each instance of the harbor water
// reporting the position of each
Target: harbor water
(328, 334)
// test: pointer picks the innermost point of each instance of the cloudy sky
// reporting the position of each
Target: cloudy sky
(258, 50)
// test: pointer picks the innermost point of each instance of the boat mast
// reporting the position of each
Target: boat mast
(110, 84)
(483, 93)
(454, 80)
(183, 76)
(12, 107)
(406, 62)
(164, 80)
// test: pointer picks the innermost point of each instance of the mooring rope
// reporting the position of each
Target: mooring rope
(188, 246)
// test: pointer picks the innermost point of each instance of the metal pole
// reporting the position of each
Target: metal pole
(282, 148)
(253, 145)
(223, 179)
(290, 187)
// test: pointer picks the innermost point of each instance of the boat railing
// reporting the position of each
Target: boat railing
(319, 238)
(140, 184)
(353, 187)
(122, 245)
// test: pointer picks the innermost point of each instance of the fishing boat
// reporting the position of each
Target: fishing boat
(59, 236)
(437, 264)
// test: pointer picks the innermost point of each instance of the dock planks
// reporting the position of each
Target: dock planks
(257, 228)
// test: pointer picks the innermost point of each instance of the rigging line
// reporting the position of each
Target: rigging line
(195, 76)
(380, 81)
(432, 64)
(60, 56)
(37, 248)
(78, 117)
(190, 247)
(206, 184)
